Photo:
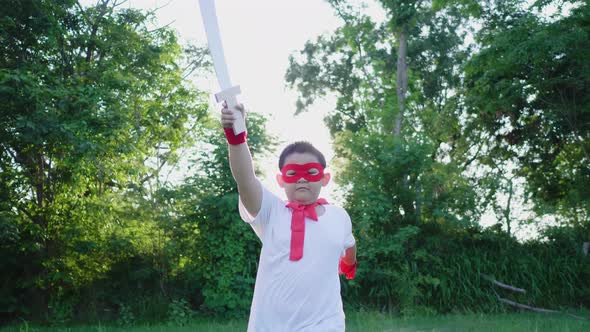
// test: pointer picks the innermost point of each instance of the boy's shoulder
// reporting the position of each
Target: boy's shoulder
(340, 211)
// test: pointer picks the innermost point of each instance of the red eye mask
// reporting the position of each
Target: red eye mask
(293, 172)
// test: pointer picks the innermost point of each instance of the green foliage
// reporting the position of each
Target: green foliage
(341, 64)
(94, 105)
(60, 311)
(397, 191)
(225, 248)
(402, 181)
(416, 199)
(179, 313)
(528, 87)
(126, 316)
(443, 271)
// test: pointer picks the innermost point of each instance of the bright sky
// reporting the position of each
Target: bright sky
(258, 37)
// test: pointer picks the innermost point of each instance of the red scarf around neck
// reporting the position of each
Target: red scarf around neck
(300, 211)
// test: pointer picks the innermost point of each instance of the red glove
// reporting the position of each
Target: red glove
(347, 270)
(234, 139)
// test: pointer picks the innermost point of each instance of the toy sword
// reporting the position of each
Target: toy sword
(228, 92)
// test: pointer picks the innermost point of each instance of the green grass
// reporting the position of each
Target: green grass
(464, 323)
(367, 322)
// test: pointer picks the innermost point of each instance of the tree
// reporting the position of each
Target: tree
(358, 64)
(221, 249)
(527, 90)
(91, 97)
(395, 149)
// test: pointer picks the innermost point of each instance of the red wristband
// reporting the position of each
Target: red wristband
(347, 270)
(234, 139)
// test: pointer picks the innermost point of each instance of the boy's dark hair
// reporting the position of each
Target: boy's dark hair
(301, 147)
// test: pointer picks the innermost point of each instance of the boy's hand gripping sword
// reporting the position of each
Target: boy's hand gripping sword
(228, 92)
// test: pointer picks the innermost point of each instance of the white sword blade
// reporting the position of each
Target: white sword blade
(214, 42)
(228, 92)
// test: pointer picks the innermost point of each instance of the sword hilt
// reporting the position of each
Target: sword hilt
(229, 96)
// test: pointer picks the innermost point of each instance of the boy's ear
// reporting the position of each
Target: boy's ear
(280, 180)
(326, 179)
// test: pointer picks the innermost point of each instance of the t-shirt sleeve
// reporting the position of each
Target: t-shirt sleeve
(349, 240)
(270, 202)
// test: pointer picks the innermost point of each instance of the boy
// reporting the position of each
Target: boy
(297, 284)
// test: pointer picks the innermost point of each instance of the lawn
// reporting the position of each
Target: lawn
(367, 322)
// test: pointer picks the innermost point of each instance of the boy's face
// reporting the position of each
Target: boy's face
(303, 191)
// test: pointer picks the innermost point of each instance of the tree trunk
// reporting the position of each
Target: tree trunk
(410, 207)
(402, 79)
(508, 206)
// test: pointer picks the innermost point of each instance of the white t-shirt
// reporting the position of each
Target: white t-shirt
(301, 295)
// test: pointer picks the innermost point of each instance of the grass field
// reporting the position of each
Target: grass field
(367, 322)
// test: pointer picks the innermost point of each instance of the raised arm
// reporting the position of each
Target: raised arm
(240, 162)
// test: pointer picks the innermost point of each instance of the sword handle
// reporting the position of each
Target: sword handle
(229, 96)
(239, 124)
